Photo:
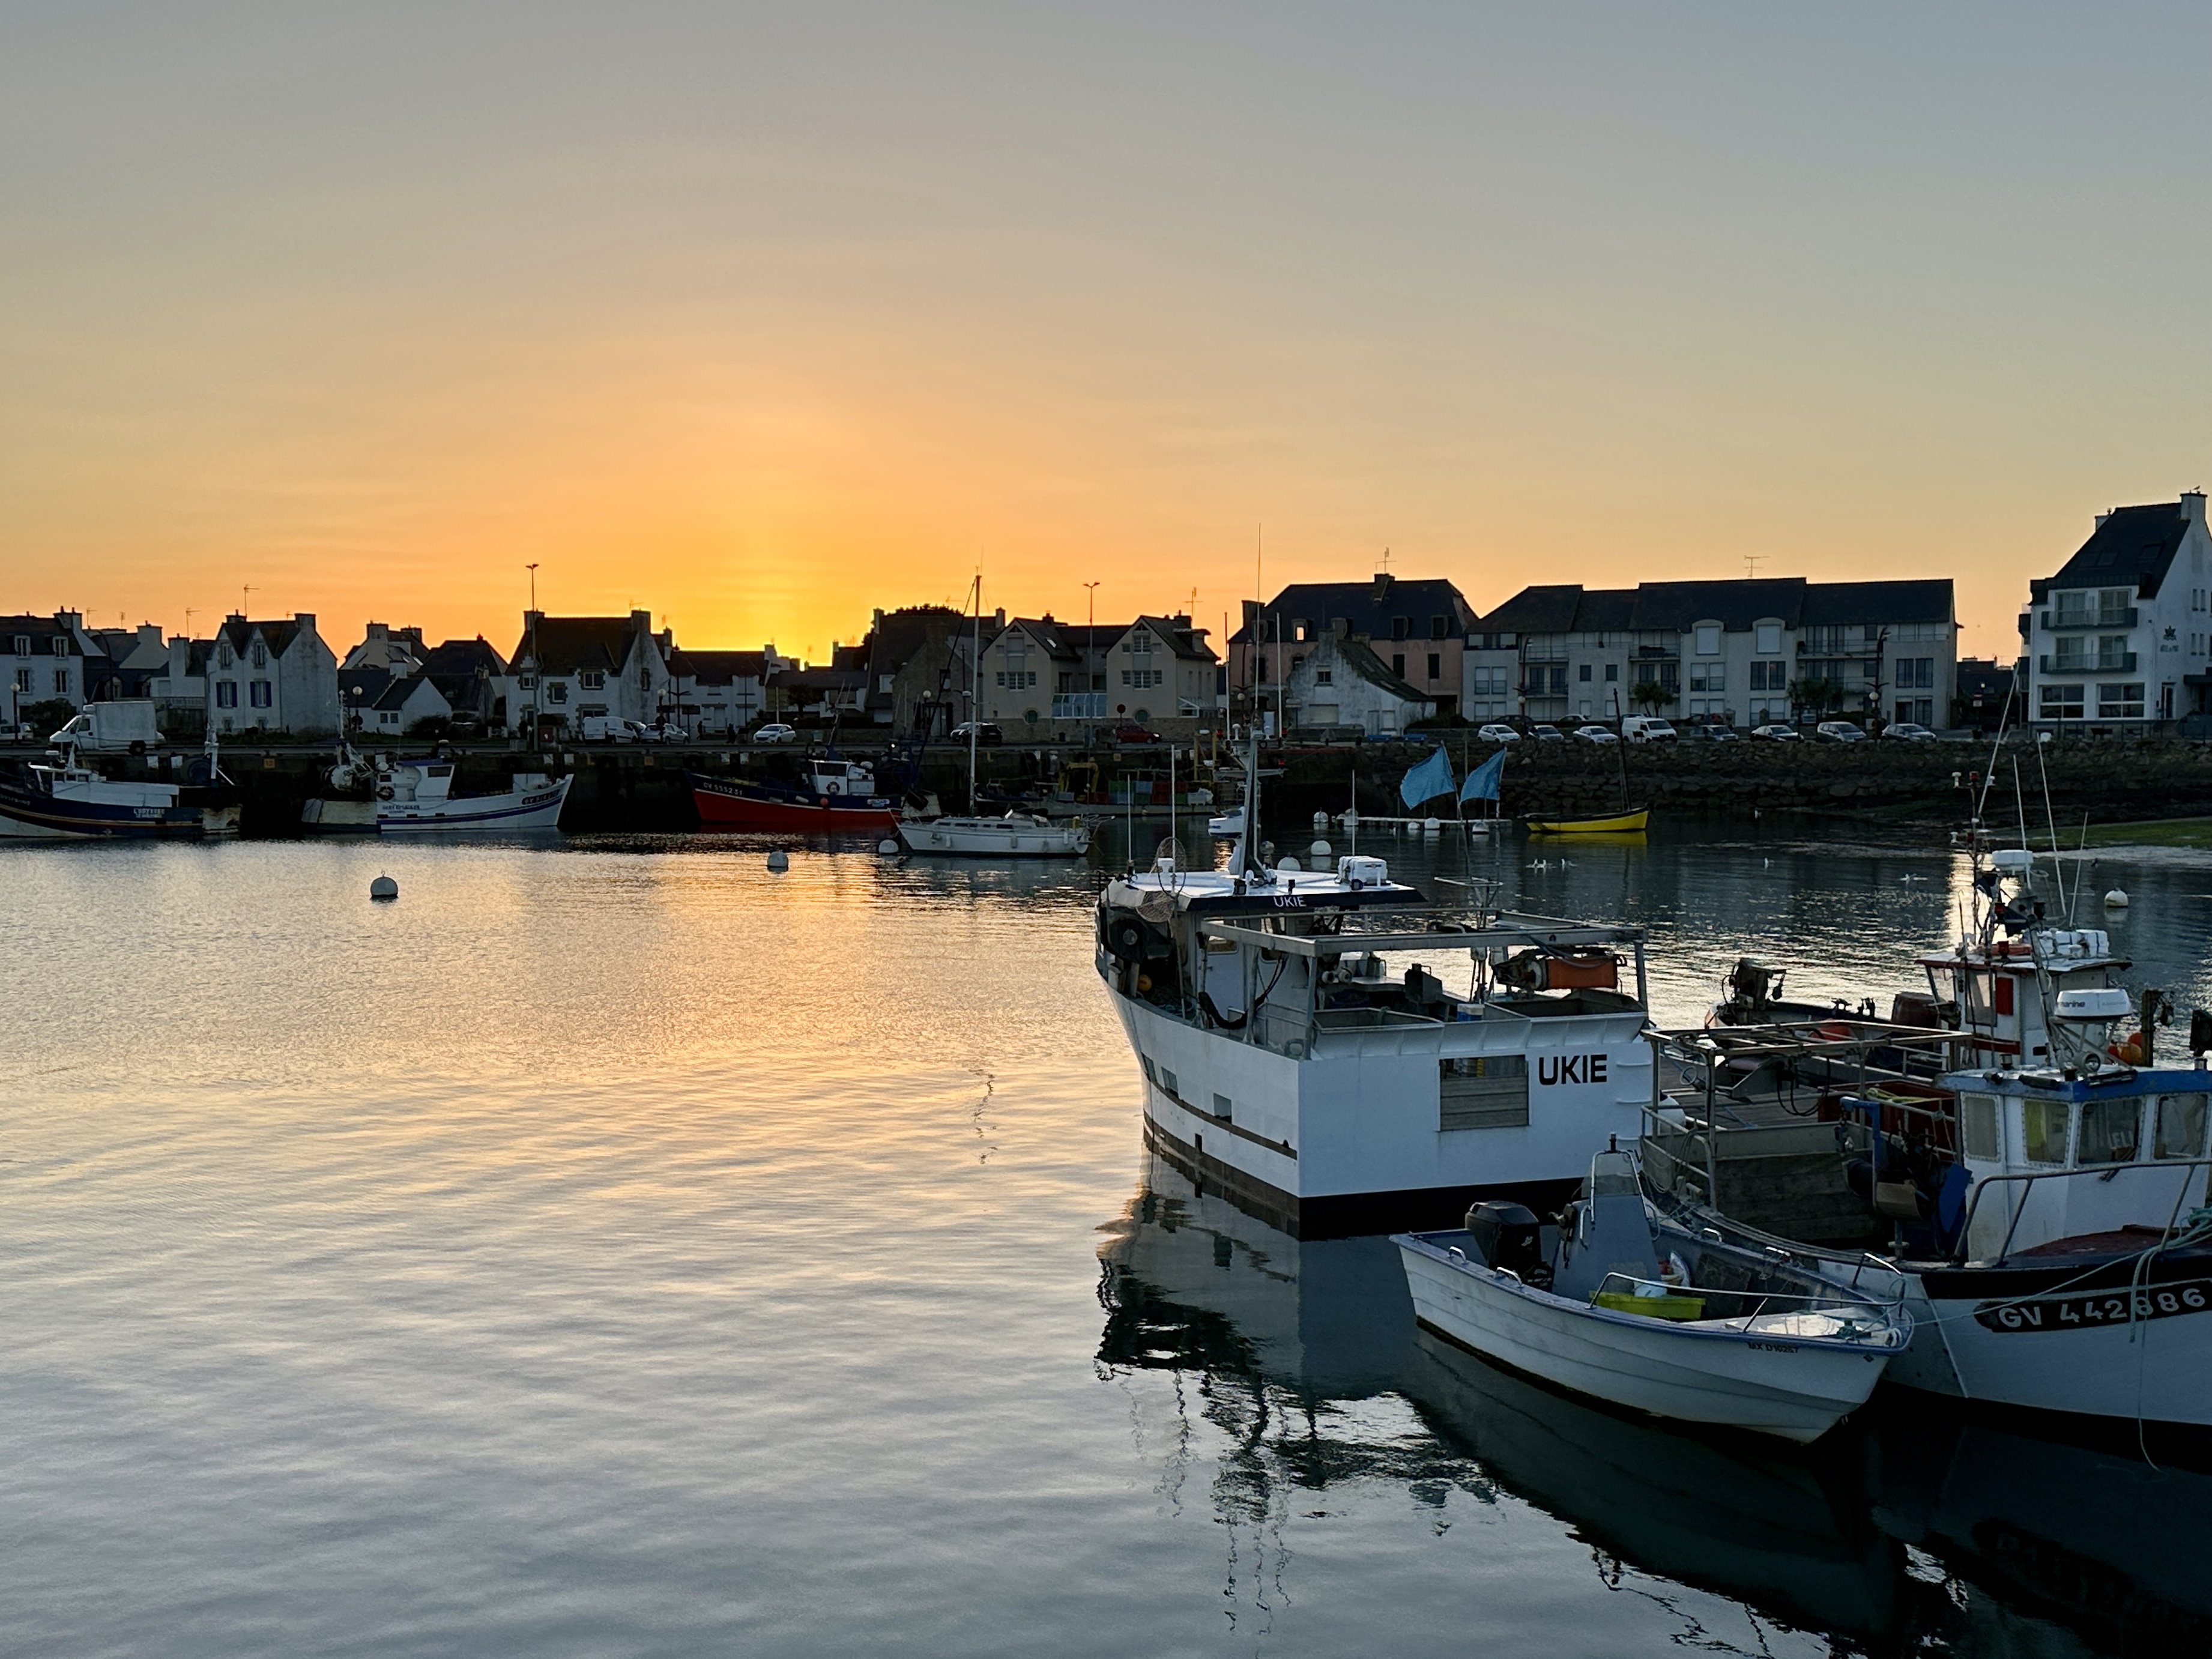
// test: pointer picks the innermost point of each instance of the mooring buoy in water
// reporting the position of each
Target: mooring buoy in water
(779, 859)
(887, 847)
(2116, 899)
(1431, 826)
(1289, 866)
(383, 889)
(1319, 850)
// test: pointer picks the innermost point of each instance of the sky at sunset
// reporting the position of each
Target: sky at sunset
(761, 317)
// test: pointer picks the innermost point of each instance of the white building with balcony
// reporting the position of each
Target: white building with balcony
(2119, 640)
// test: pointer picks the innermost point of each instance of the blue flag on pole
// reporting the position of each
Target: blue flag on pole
(1482, 783)
(1431, 778)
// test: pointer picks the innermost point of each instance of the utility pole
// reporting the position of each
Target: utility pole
(530, 708)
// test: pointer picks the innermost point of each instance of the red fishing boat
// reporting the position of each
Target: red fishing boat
(836, 797)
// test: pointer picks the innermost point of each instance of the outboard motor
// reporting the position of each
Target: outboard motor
(1509, 1236)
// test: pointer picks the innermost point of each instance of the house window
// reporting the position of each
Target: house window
(22, 680)
(1583, 674)
(1140, 644)
(61, 680)
(1398, 663)
(1916, 673)
(261, 695)
(1401, 628)
(2120, 702)
(1612, 672)
(226, 694)
(22, 645)
(1487, 683)
(1708, 677)
(527, 681)
(1324, 675)
(1137, 679)
(222, 657)
(1439, 628)
(260, 654)
(2061, 702)
(1709, 639)
(1437, 666)
(593, 679)
(556, 692)
(1767, 640)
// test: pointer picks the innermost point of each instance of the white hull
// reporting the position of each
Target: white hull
(1357, 1120)
(2156, 1368)
(1796, 1389)
(517, 810)
(1017, 837)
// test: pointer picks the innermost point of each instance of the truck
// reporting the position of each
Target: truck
(124, 724)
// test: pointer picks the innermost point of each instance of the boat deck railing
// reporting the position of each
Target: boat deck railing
(2026, 1180)
(1830, 1297)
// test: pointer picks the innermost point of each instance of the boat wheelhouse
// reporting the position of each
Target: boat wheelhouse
(1304, 1056)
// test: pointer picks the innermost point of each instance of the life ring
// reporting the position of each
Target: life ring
(385, 794)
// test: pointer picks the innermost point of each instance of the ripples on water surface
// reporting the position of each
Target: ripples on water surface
(618, 1249)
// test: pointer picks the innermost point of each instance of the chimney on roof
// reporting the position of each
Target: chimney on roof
(2192, 506)
(1382, 583)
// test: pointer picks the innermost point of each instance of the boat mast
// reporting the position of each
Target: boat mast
(975, 694)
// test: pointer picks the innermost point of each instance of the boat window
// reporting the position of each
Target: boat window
(1980, 1113)
(441, 771)
(2043, 1130)
(1168, 1082)
(2111, 1130)
(1973, 999)
(2180, 1126)
(1151, 1076)
(1483, 1091)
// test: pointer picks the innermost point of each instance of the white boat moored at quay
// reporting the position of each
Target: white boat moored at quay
(1303, 1055)
(1717, 1333)
(1017, 835)
(415, 797)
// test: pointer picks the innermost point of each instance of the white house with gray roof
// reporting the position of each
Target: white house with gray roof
(2119, 640)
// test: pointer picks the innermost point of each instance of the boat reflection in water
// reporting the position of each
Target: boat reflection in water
(1912, 1529)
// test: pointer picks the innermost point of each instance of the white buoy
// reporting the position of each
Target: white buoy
(779, 859)
(384, 889)
(887, 846)
(2116, 899)
(1320, 850)
(1290, 865)
(1429, 826)
(1321, 820)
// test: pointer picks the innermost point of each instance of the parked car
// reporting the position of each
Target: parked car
(638, 732)
(1548, 734)
(1907, 732)
(1837, 732)
(1778, 734)
(1498, 731)
(775, 732)
(1120, 734)
(986, 733)
(1645, 728)
(1593, 733)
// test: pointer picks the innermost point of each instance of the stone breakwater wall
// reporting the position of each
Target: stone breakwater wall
(2111, 782)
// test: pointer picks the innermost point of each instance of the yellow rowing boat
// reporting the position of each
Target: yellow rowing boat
(1616, 823)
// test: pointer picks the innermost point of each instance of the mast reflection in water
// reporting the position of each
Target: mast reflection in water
(1911, 1531)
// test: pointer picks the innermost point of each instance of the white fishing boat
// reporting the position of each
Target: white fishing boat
(63, 799)
(1714, 1333)
(415, 797)
(1227, 826)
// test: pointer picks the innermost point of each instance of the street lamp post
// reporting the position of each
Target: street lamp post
(1089, 672)
(530, 708)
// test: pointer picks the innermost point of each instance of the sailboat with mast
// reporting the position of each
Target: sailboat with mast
(1013, 835)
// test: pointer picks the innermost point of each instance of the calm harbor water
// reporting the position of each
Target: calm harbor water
(615, 1248)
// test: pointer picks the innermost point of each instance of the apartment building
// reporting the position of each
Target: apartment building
(2119, 640)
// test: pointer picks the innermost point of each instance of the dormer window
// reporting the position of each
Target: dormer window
(260, 654)
(61, 645)
(1709, 639)
(1401, 628)
(22, 645)
(1438, 627)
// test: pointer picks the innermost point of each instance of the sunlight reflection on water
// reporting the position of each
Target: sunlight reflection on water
(617, 1248)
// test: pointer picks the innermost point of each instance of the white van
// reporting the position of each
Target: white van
(1645, 728)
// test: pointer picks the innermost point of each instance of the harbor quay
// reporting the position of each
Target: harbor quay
(642, 788)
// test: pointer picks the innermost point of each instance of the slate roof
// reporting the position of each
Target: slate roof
(359, 688)
(1369, 607)
(719, 667)
(276, 636)
(2135, 545)
(1736, 605)
(1185, 641)
(456, 658)
(42, 631)
(402, 691)
(1358, 657)
(569, 645)
(894, 641)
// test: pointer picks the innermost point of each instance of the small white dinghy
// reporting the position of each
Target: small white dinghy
(1731, 1337)
(1228, 825)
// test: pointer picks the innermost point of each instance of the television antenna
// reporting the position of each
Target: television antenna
(1751, 563)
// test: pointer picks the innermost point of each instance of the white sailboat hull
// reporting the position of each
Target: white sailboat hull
(995, 838)
(1797, 1390)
